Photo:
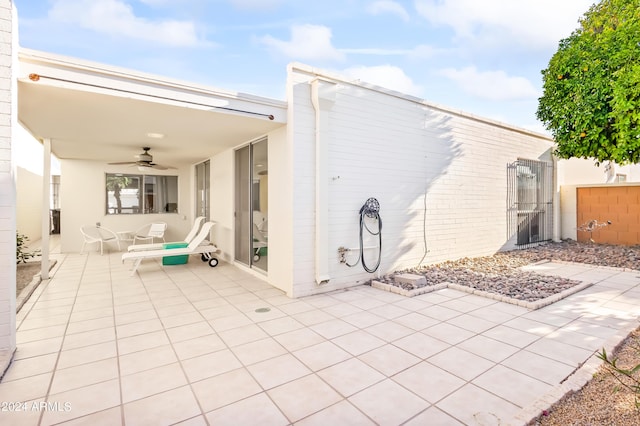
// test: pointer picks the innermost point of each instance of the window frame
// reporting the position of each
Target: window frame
(144, 181)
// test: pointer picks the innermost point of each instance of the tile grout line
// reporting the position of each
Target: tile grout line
(115, 332)
(579, 315)
(64, 335)
(190, 383)
(171, 344)
(117, 354)
(244, 367)
(180, 361)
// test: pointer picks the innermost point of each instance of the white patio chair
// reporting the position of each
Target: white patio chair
(150, 232)
(98, 235)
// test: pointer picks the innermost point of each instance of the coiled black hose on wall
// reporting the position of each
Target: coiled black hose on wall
(370, 209)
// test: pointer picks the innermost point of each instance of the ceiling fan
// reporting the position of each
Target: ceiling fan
(145, 160)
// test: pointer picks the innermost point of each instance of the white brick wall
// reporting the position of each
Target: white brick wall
(397, 149)
(8, 120)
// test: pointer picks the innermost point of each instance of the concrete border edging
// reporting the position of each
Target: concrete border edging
(26, 292)
(574, 382)
(495, 296)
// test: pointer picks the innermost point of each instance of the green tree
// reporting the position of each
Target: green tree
(117, 184)
(591, 98)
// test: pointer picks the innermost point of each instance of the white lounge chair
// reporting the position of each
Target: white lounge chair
(196, 246)
(150, 231)
(158, 246)
(259, 242)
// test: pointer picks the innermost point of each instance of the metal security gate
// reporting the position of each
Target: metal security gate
(529, 202)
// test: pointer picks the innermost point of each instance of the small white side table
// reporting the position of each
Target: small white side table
(126, 236)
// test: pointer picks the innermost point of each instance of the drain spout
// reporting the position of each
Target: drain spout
(322, 97)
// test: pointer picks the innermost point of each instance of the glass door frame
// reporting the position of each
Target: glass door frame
(247, 193)
(202, 199)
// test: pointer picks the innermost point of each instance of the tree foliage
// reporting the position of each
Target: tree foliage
(591, 98)
(117, 184)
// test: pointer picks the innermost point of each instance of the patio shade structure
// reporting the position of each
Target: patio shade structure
(91, 113)
(84, 111)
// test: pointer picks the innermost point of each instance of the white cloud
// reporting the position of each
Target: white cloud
(116, 18)
(378, 51)
(381, 7)
(308, 42)
(256, 5)
(491, 85)
(155, 2)
(420, 51)
(388, 76)
(426, 51)
(536, 23)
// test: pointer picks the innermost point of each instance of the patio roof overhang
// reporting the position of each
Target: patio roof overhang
(93, 112)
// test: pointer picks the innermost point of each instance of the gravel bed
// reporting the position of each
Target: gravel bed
(602, 401)
(589, 253)
(500, 273)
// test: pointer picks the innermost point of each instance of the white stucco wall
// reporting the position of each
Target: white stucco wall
(82, 195)
(29, 204)
(8, 124)
(631, 171)
(222, 202)
(576, 171)
(280, 212)
(400, 150)
(28, 158)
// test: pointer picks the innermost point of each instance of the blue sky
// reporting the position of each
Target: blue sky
(479, 56)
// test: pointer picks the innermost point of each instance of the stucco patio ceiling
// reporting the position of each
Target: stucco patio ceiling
(106, 114)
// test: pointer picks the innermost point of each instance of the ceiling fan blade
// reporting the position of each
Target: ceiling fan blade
(145, 160)
(161, 167)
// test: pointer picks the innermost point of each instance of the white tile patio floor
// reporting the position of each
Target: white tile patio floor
(185, 345)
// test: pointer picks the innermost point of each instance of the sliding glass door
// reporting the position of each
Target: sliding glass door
(202, 189)
(252, 205)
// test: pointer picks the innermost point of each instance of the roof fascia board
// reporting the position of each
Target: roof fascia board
(328, 75)
(94, 76)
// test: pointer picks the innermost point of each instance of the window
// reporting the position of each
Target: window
(621, 178)
(136, 194)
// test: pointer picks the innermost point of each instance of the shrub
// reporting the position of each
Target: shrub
(627, 378)
(21, 254)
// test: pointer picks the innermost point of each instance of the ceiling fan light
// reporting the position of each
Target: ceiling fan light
(143, 168)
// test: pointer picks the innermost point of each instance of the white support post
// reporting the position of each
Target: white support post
(46, 191)
(557, 214)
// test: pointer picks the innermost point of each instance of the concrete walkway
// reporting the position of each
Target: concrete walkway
(194, 345)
